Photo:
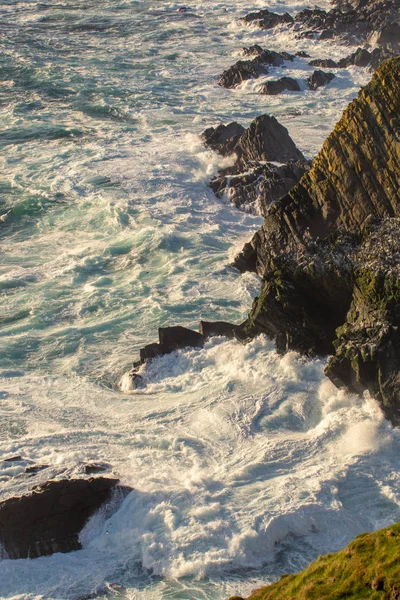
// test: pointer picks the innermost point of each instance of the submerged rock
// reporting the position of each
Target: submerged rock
(259, 185)
(241, 71)
(49, 518)
(376, 22)
(360, 58)
(268, 163)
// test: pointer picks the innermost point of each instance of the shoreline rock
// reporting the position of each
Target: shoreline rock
(49, 518)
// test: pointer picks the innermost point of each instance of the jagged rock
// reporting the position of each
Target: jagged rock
(260, 185)
(267, 19)
(49, 518)
(254, 180)
(271, 88)
(241, 71)
(255, 50)
(252, 69)
(388, 34)
(359, 58)
(223, 139)
(266, 140)
(318, 79)
(368, 344)
(321, 265)
(380, 54)
(373, 22)
(302, 54)
(32, 470)
(246, 260)
(304, 297)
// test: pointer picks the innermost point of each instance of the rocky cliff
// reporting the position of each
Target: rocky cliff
(328, 287)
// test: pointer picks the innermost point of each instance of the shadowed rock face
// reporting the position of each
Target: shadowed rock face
(49, 518)
(375, 22)
(326, 289)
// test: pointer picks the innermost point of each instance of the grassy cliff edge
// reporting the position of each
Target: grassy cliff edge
(368, 568)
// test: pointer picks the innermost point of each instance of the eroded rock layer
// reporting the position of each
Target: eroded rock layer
(328, 286)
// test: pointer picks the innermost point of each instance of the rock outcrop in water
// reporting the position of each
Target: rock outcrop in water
(328, 286)
(50, 517)
(251, 69)
(367, 568)
(354, 21)
(268, 163)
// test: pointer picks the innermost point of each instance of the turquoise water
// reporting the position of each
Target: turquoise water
(244, 464)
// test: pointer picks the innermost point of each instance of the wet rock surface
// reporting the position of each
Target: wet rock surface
(271, 88)
(49, 518)
(318, 79)
(327, 288)
(252, 69)
(268, 164)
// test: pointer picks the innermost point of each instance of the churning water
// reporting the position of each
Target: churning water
(244, 464)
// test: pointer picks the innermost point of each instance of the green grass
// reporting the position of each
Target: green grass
(369, 568)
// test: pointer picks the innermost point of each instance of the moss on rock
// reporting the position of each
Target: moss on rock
(369, 568)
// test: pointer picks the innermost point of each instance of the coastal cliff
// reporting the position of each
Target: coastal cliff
(327, 286)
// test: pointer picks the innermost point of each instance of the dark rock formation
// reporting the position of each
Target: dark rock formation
(94, 468)
(266, 139)
(50, 517)
(241, 71)
(319, 256)
(318, 79)
(376, 22)
(271, 88)
(252, 69)
(259, 185)
(368, 344)
(254, 180)
(223, 139)
(267, 19)
(360, 58)
(222, 329)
